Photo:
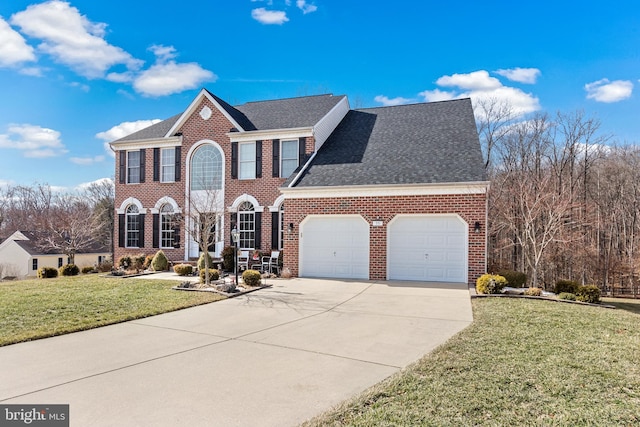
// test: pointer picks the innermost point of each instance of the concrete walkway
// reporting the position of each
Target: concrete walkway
(275, 357)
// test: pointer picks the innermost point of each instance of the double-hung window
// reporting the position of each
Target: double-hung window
(133, 167)
(247, 161)
(168, 164)
(166, 226)
(133, 226)
(247, 225)
(288, 157)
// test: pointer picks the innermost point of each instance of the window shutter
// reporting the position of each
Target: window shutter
(275, 229)
(234, 160)
(176, 237)
(156, 230)
(141, 233)
(276, 158)
(142, 164)
(258, 159)
(258, 225)
(121, 234)
(156, 164)
(123, 166)
(178, 163)
(302, 155)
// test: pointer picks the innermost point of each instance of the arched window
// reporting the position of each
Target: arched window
(167, 226)
(206, 168)
(133, 226)
(247, 225)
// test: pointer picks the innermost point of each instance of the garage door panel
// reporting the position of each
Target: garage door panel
(427, 248)
(334, 246)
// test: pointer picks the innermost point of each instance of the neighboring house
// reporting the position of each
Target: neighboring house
(20, 256)
(379, 193)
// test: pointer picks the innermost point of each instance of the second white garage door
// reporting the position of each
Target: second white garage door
(431, 248)
(334, 246)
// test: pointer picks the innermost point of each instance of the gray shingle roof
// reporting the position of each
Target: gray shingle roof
(409, 144)
(32, 247)
(260, 115)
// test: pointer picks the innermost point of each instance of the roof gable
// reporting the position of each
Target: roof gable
(426, 143)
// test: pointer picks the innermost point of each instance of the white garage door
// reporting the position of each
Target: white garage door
(431, 248)
(334, 246)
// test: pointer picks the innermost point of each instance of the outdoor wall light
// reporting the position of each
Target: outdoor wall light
(476, 227)
(290, 228)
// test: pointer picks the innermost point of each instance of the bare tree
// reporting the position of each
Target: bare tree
(493, 117)
(101, 195)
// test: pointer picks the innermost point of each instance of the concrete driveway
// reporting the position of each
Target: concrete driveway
(275, 357)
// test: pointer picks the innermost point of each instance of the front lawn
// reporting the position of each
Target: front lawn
(521, 362)
(632, 305)
(31, 309)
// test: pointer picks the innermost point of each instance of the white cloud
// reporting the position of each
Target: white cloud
(72, 39)
(99, 181)
(269, 17)
(520, 75)
(479, 85)
(33, 141)
(605, 91)
(83, 87)
(306, 8)
(86, 161)
(163, 53)
(122, 130)
(168, 78)
(31, 71)
(391, 102)
(125, 77)
(14, 49)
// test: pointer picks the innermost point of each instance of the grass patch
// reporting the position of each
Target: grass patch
(521, 362)
(39, 308)
(632, 305)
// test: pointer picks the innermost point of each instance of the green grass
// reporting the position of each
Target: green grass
(632, 305)
(521, 362)
(32, 309)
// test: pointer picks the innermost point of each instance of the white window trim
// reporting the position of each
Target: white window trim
(296, 158)
(171, 231)
(246, 162)
(162, 165)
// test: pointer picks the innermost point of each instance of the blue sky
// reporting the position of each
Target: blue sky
(77, 74)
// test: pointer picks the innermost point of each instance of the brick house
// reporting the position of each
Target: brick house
(379, 193)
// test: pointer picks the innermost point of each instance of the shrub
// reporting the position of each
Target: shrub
(228, 258)
(147, 262)
(160, 262)
(568, 286)
(47, 273)
(490, 284)
(213, 275)
(515, 279)
(137, 261)
(183, 269)
(87, 270)
(588, 293)
(69, 270)
(252, 277)
(124, 261)
(105, 266)
(567, 295)
(286, 273)
(533, 292)
(201, 265)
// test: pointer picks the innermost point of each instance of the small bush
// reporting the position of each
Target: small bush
(160, 262)
(567, 295)
(69, 270)
(147, 262)
(588, 293)
(183, 269)
(105, 266)
(124, 261)
(490, 284)
(213, 275)
(137, 262)
(515, 279)
(87, 270)
(533, 292)
(201, 261)
(286, 273)
(568, 286)
(228, 260)
(252, 277)
(47, 273)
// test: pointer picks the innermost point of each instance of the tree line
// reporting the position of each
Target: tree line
(64, 222)
(564, 201)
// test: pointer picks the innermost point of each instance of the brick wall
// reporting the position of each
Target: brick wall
(471, 207)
